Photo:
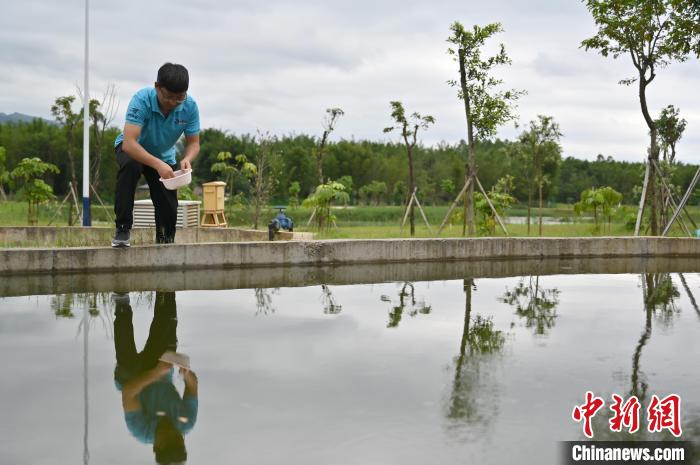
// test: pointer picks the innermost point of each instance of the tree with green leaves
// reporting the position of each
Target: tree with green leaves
(606, 199)
(540, 150)
(294, 189)
(408, 128)
(348, 183)
(26, 177)
(62, 110)
(373, 192)
(485, 107)
(230, 167)
(321, 200)
(670, 128)
(101, 116)
(265, 178)
(4, 173)
(653, 34)
(398, 193)
(329, 122)
(501, 199)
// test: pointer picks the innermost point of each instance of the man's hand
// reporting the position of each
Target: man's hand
(188, 375)
(162, 368)
(185, 164)
(165, 171)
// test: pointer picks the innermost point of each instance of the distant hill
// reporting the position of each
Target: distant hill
(19, 118)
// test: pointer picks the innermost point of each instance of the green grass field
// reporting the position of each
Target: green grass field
(368, 222)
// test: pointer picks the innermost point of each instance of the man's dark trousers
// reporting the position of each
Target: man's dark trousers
(164, 200)
(161, 337)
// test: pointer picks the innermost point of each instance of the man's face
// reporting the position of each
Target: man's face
(169, 100)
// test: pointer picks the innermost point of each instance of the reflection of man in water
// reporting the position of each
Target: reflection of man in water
(153, 409)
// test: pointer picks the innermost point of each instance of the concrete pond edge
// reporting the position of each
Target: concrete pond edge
(223, 255)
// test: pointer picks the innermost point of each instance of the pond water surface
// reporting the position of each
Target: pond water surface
(483, 371)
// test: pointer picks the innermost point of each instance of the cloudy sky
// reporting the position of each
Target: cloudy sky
(277, 65)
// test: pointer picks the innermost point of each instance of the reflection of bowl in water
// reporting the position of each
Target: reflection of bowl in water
(182, 178)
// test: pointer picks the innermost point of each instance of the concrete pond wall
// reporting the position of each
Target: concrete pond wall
(18, 284)
(210, 256)
(58, 236)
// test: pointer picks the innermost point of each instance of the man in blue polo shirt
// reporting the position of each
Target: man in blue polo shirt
(155, 120)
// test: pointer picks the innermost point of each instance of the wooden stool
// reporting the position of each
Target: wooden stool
(213, 219)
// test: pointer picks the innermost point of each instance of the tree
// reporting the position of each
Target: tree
(331, 118)
(348, 183)
(409, 134)
(485, 108)
(102, 114)
(653, 33)
(4, 174)
(230, 167)
(398, 194)
(322, 200)
(540, 148)
(62, 110)
(670, 130)
(447, 186)
(27, 177)
(264, 180)
(373, 192)
(501, 199)
(605, 198)
(294, 189)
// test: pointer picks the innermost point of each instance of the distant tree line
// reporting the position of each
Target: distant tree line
(374, 172)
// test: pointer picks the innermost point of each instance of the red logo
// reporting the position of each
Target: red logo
(661, 414)
(587, 411)
(665, 414)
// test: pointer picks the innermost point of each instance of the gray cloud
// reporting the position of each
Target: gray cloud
(276, 66)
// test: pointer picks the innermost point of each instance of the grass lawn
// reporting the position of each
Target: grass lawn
(366, 222)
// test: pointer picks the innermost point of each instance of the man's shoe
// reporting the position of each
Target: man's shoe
(121, 238)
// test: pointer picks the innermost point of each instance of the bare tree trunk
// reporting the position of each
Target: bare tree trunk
(257, 214)
(411, 188)
(2, 193)
(319, 156)
(464, 213)
(470, 167)
(653, 150)
(540, 209)
(529, 204)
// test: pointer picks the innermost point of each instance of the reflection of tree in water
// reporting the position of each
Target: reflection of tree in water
(473, 396)
(693, 302)
(659, 294)
(414, 307)
(263, 300)
(330, 306)
(537, 305)
(97, 305)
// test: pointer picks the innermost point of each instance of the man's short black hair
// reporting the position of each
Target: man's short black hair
(174, 77)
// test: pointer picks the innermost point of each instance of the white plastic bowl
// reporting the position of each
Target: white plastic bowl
(182, 178)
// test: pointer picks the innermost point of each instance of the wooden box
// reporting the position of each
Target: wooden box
(213, 196)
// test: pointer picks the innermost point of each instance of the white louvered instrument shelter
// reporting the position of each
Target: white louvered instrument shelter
(187, 213)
